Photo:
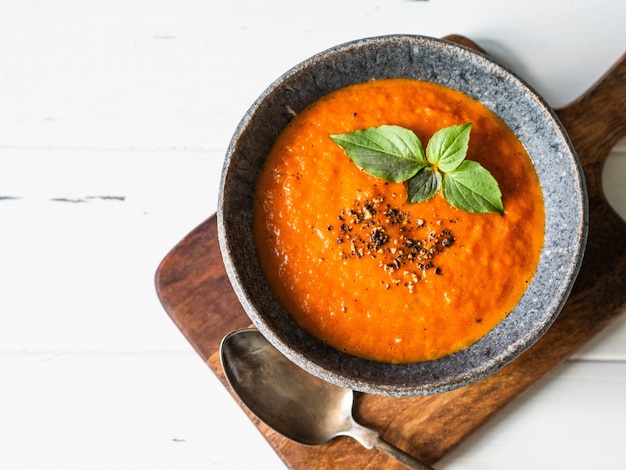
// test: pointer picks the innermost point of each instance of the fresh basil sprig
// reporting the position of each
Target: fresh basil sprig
(396, 154)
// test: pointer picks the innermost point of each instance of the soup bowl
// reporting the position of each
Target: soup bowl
(459, 68)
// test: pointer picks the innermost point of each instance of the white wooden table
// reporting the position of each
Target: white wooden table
(114, 119)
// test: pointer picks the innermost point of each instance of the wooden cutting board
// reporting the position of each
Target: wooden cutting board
(194, 290)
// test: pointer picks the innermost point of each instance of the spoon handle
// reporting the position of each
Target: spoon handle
(400, 455)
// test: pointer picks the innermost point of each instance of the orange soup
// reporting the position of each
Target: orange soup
(367, 272)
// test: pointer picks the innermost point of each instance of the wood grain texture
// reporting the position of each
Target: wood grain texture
(195, 292)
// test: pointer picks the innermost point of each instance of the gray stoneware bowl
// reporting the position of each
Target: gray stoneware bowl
(454, 66)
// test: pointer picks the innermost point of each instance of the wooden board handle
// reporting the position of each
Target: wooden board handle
(595, 133)
(596, 122)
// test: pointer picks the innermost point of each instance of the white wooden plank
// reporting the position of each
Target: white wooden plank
(573, 419)
(122, 411)
(92, 73)
(614, 179)
(83, 238)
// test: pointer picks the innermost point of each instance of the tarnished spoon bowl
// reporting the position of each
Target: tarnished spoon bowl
(298, 405)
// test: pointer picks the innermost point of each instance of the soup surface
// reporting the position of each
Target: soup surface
(367, 272)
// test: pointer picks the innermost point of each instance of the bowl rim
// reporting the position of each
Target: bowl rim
(474, 362)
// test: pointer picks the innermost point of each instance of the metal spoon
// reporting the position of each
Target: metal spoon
(298, 405)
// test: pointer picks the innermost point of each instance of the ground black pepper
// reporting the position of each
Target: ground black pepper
(407, 249)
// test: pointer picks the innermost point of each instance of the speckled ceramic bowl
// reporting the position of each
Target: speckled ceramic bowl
(456, 67)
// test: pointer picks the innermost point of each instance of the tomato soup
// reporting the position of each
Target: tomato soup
(367, 272)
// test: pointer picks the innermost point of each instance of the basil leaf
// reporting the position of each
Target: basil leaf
(390, 152)
(396, 154)
(472, 188)
(423, 185)
(448, 147)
